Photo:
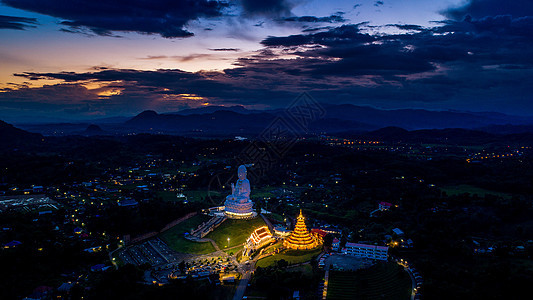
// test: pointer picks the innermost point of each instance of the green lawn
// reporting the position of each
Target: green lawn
(232, 250)
(291, 256)
(175, 240)
(382, 281)
(465, 188)
(236, 230)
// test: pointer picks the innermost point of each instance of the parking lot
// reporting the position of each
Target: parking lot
(154, 252)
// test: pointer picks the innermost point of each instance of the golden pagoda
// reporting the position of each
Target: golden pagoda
(300, 238)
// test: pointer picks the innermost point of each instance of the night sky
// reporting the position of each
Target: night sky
(80, 59)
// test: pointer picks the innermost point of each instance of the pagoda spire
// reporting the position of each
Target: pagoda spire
(300, 238)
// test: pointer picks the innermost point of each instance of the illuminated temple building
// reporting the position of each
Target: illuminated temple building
(260, 237)
(238, 205)
(300, 238)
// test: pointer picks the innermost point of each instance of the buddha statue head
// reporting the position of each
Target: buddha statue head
(241, 172)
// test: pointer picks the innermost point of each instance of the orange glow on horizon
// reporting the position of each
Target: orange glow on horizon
(110, 92)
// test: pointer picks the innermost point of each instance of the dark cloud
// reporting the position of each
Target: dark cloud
(314, 29)
(338, 35)
(268, 8)
(182, 58)
(164, 17)
(378, 3)
(115, 75)
(337, 18)
(225, 49)
(482, 8)
(17, 23)
(407, 26)
(479, 65)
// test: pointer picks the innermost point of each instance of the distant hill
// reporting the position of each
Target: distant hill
(222, 121)
(214, 108)
(93, 130)
(508, 129)
(110, 120)
(216, 122)
(13, 136)
(338, 118)
(420, 119)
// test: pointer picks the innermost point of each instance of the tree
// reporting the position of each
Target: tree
(343, 241)
(328, 240)
(182, 266)
(282, 263)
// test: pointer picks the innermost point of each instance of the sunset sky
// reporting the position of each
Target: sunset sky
(82, 59)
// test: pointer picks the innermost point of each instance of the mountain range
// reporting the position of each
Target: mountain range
(344, 118)
(337, 118)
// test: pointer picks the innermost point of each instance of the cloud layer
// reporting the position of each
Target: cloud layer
(17, 23)
(481, 8)
(167, 18)
(479, 63)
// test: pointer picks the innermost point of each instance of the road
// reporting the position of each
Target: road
(243, 283)
(413, 281)
(247, 270)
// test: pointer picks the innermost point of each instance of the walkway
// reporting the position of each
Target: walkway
(267, 221)
(203, 240)
(326, 280)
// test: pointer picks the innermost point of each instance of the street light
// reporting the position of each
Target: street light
(228, 242)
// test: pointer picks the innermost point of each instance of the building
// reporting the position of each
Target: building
(260, 237)
(398, 231)
(319, 234)
(366, 251)
(336, 244)
(407, 244)
(38, 189)
(300, 238)
(127, 203)
(281, 231)
(238, 205)
(12, 244)
(383, 206)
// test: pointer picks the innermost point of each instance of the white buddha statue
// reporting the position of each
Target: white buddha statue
(238, 205)
(240, 191)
